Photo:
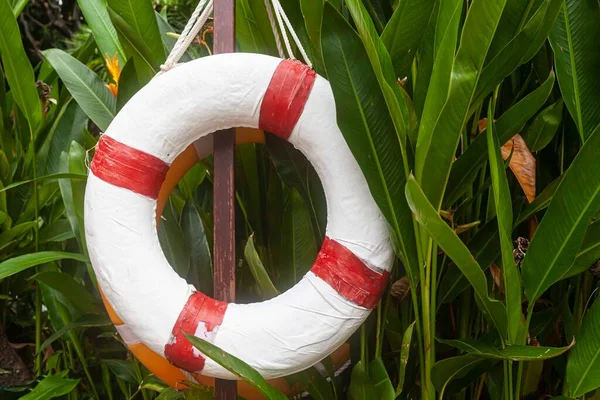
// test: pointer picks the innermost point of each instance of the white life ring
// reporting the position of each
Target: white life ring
(277, 337)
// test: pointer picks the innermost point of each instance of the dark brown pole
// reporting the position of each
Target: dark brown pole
(223, 199)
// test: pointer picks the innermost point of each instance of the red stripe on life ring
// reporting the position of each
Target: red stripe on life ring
(201, 312)
(128, 168)
(348, 275)
(285, 97)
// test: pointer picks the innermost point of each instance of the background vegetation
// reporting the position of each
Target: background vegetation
(475, 123)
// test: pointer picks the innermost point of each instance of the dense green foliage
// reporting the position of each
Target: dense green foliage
(476, 124)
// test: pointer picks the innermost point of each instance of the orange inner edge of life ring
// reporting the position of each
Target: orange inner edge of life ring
(158, 365)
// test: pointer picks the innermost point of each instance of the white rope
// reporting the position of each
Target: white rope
(274, 28)
(201, 15)
(191, 30)
(277, 5)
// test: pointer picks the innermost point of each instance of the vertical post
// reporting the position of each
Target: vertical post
(223, 199)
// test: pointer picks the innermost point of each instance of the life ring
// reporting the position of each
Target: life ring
(158, 365)
(277, 337)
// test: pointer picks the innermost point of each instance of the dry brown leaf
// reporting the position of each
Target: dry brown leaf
(522, 164)
(401, 288)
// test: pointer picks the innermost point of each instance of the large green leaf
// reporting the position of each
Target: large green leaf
(403, 33)
(146, 64)
(557, 240)
(437, 141)
(574, 40)
(237, 367)
(367, 128)
(512, 352)
(96, 16)
(297, 246)
(85, 86)
(312, 11)
(504, 214)
(80, 298)
(252, 28)
(139, 15)
(197, 246)
(17, 67)
(485, 247)
(544, 127)
(589, 252)
(523, 47)
(443, 372)
(516, 14)
(68, 126)
(259, 273)
(464, 169)
(584, 360)
(434, 73)
(51, 387)
(361, 386)
(454, 248)
(172, 240)
(83, 321)
(21, 263)
(381, 380)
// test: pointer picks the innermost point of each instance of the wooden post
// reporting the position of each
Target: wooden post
(223, 199)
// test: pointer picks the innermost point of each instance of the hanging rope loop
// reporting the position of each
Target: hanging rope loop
(277, 18)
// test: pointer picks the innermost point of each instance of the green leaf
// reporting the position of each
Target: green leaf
(139, 15)
(584, 360)
(18, 6)
(485, 247)
(296, 172)
(437, 141)
(83, 321)
(236, 367)
(381, 380)
(403, 33)
(314, 383)
(68, 126)
(96, 16)
(50, 178)
(445, 237)
(122, 369)
(57, 231)
(589, 252)
(557, 240)
(197, 246)
(135, 46)
(574, 40)
(17, 68)
(21, 263)
(443, 372)
(297, 248)
(367, 128)
(515, 53)
(16, 231)
(312, 11)
(510, 352)
(80, 298)
(541, 201)
(128, 83)
(404, 354)
(258, 271)
(172, 240)
(85, 86)
(504, 214)
(51, 387)
(464, 169)
(252, 28)
(544, 127)
(361, 386)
